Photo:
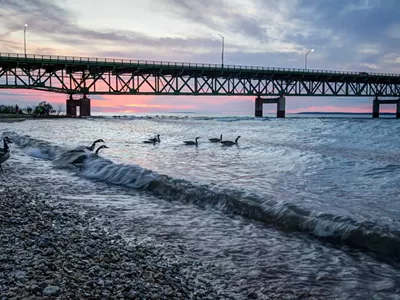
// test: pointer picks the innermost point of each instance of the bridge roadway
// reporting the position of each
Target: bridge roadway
(91, 76)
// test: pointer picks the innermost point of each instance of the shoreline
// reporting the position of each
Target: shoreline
(54, 249)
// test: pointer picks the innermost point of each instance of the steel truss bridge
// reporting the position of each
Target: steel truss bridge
(99, 76)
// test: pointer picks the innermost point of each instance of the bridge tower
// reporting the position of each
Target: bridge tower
(377, 103)
(280, 106)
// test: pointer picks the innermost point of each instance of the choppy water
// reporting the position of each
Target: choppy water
(299, 204)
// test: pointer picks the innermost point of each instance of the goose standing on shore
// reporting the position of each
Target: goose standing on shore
(230, 143)
(191, 142)
(216, 140)
(5, 151)
(80, 160)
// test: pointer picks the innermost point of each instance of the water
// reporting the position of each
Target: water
(300, 204)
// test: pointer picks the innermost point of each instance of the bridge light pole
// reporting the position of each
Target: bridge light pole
(312, 50)
(26, 25)
(222, 48)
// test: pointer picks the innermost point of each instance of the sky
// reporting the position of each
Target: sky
(347, 35)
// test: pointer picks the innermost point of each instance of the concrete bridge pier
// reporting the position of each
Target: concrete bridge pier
(259, 108)
(280, 102)
(84, 106)
(377, 103)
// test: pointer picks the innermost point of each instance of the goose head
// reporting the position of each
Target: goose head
(7, 140)
(101, 147)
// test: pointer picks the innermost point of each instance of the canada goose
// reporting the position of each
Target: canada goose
(5, 151)
(83, 149)
(91, 148)
(153, 140)
(80, 160)
(156, 139)
(191, 142)
(216, 140)
(230, 143)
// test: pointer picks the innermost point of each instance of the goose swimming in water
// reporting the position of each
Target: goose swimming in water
(5, 151)
(149, 141)
(216, 140)
(80, 160)
(230, 143)
(156, 139)
(153, 140)
(91, 148)
(83, 149)
(191, 142)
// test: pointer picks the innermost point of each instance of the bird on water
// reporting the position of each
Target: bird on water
(83, 149)
(91, 148)
(230, 143)
(216, 140)
(153, 140)
(5, 151)
(80, 160)
(191, 142)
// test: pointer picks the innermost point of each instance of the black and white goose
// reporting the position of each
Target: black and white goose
(5, 151)
(80, 160)
(230, 143)
(216, 140)
(153, 140)
(83, 149)
(191, 142)
(91, 148)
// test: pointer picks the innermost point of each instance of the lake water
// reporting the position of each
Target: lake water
(302, 204)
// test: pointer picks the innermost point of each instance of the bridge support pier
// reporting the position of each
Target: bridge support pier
(280, 103)
(377, 103)
(84, 106)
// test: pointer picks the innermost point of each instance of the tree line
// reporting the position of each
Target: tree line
(41, 109)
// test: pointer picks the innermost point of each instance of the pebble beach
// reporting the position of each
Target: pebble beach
(52, 250)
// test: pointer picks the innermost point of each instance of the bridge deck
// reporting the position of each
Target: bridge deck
(78, 75)
(140, 67)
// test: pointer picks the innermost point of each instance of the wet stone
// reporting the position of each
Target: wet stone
(51, 290)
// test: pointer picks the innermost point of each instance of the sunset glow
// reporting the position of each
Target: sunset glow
(255, 34)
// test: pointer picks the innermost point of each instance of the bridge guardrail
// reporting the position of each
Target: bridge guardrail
(74, 59)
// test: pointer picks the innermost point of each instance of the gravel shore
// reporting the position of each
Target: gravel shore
(51, 250)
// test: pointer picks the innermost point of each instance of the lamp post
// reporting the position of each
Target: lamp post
(312, 50)
(222, 48)
(26, 25)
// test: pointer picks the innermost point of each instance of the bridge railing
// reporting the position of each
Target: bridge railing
(126, 62)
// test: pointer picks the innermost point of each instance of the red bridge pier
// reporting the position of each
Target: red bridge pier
(83, 103)
(280, 106)
(377, 103)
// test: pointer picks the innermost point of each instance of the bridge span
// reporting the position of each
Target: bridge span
(85, 76)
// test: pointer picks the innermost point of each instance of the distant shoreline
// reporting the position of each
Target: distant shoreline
(339, 113)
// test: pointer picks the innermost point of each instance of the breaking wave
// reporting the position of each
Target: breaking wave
(369, 236)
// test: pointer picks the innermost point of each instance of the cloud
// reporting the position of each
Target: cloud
(360, 5)
(365, 36)
(58, 24)
(394, 31)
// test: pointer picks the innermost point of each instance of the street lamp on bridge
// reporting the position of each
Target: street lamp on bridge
(222, 49)
(312, 50)
(26, 25)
